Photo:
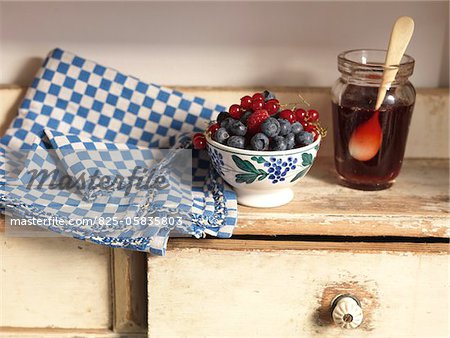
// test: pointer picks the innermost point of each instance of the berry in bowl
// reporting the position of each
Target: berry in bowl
(262, 149)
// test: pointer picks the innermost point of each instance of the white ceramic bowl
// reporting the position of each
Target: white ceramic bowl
(262, 179)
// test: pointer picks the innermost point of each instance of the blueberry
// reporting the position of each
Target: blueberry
(296, 127)
(268, 95)
(259, 142)
(290, 140)
(227, 123)
(244, 117)
(278, 143)
(236, 142)
(222, 116)
(221, 135)
(270, 127)
(238, 128)
(285, 127)
(304, 138)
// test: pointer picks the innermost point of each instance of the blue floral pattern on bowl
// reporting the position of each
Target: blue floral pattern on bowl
(217, 160)
(262, 179)
(277, 168)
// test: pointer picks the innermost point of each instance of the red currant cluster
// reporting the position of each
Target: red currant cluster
(260, 122)
(199, 141)
(308, 119)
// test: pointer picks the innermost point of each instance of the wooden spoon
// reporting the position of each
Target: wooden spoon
(365, 141)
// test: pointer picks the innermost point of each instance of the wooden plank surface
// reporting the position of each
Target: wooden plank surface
(430, 117)
(417, 206)
(14, 332)
(273, 245)
(288, 293)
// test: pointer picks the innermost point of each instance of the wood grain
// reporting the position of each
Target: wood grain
(287, 293)
(129, 291)
(15, 332)
(416, 206)
(176, 244)
(362, 290)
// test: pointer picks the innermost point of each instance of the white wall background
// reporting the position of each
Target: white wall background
(219, 43)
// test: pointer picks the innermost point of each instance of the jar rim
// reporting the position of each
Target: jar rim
(368, 65)
(405, 61)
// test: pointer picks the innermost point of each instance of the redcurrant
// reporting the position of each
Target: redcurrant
(309, 127)
(257, 105)
(246, 102)
(313, 115)
(236, 111)
(272, 106)
(213, 128)
(289, 115)
(258, 97)
(197, 135)
(300, 114)
(199, 141)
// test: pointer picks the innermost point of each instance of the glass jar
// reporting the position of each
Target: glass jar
(369, 145)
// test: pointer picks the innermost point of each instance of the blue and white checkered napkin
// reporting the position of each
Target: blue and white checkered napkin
(77, 104)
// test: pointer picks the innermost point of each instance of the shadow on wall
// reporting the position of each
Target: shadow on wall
(445, 72)
(28, 71)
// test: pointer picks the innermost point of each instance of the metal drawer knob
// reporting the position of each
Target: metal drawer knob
(347, 312)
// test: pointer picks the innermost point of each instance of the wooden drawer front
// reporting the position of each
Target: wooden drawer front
(54, 283)
(206, 292)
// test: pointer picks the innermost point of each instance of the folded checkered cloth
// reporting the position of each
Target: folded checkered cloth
(79, 117)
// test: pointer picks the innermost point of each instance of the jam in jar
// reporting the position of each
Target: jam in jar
(354, 96)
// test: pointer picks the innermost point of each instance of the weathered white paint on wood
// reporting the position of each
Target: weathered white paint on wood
(292, 244)
(10, 98)
(251, 293)
(51, 282)
(430, 116)
(64, 333)
(54, 282)
(417, 206)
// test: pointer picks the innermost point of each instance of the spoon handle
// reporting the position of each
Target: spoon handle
(400, 36)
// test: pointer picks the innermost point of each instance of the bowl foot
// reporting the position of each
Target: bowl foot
(264, 198)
